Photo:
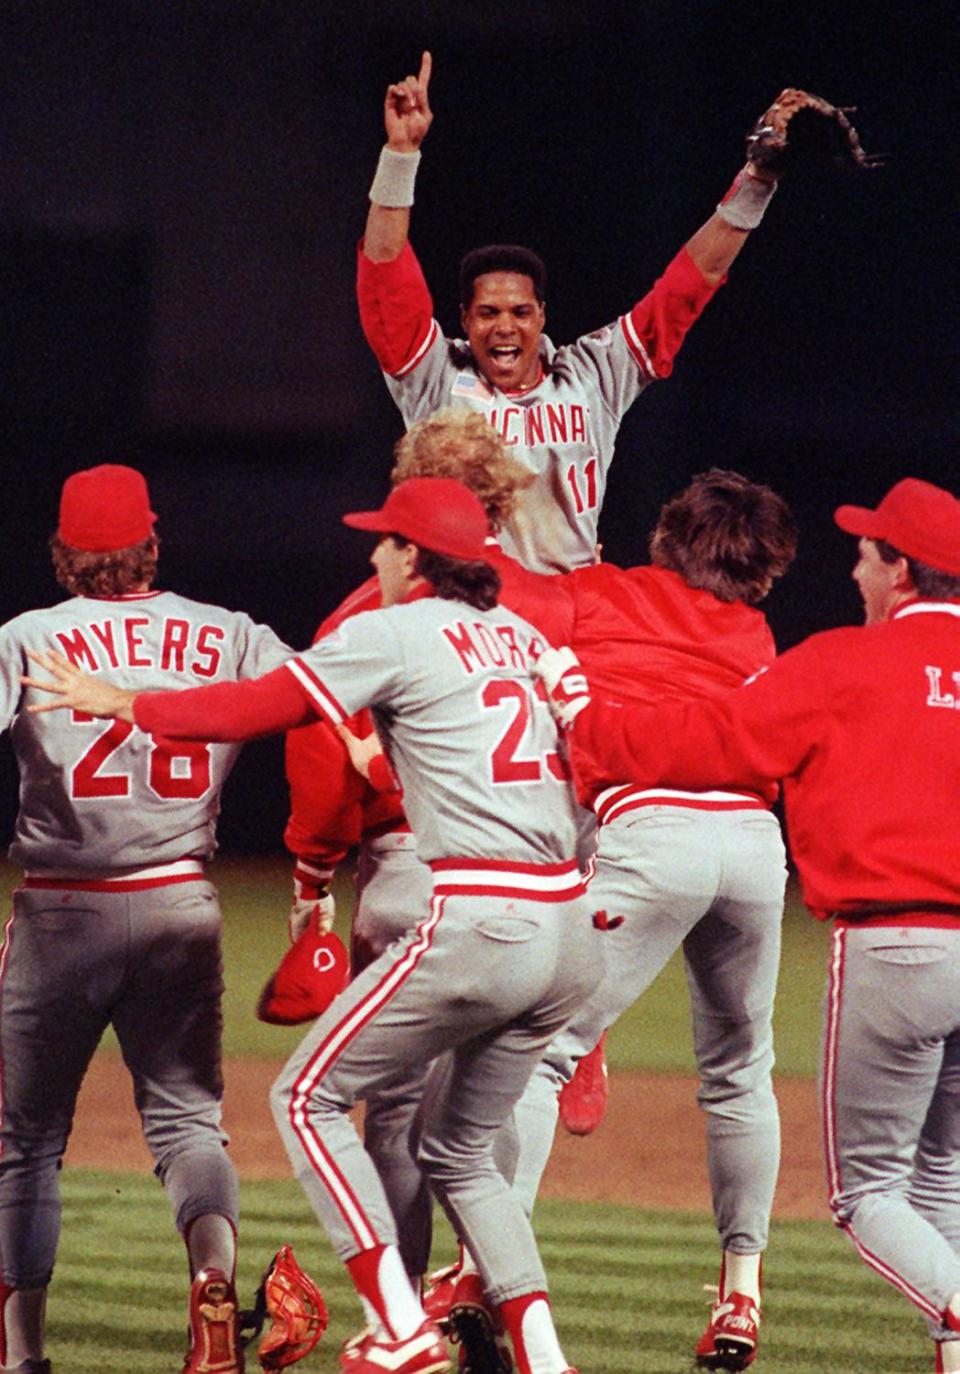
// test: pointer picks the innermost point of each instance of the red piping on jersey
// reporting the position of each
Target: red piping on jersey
(560, 882)
(835, 979)
(324, 1057)
(614, 802)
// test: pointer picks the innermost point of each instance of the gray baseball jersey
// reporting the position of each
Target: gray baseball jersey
(466, 728)
(114, 922)
(564, 428)
(103, 795)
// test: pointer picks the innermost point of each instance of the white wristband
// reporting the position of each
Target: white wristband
(395, 175)
(744, 204)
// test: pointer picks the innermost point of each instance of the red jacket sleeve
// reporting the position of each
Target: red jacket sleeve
(227, 711)
(396, 310)
(747, 737)
(657, 325)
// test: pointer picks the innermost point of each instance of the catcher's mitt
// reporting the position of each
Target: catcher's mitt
(296, 1308)
(802, 127)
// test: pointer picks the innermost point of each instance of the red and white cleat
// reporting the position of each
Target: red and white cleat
(438, 1290)
(583, 1100)
(424, 1352)
(730, 1341)
(214, 1326)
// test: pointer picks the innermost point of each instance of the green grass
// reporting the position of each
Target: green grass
(627, 1286)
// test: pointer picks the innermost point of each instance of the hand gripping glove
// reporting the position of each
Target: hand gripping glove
(800, 127)
(568, 691)
(296, 1308)
(308, 900)
(310, 975)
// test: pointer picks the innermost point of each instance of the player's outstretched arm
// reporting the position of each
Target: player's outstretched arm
(407, 117)
(76, 690)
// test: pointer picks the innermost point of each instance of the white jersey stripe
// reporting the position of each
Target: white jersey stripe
(316, 691)
(179, 868)
(636, 346)
(925, 607)
(325, 1055)
(424, 348)
(614, 801)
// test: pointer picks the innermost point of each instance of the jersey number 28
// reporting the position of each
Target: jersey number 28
(174, 772)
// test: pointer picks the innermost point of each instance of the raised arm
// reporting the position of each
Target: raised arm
(778, 139)
(407, 117)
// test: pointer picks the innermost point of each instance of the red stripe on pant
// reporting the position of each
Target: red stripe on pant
(320, 1063)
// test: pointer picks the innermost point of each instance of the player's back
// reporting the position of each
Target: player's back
(99, 795)
(473, 743)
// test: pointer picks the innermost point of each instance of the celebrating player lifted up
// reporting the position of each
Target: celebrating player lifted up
(558, 408)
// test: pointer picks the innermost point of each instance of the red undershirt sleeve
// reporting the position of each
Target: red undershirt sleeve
(227, 711)
(663, 317)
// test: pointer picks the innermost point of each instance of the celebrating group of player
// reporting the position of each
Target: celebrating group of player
(537, 830)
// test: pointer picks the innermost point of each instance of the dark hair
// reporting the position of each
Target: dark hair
(929, 582)
(458, 579)
(112, 573)
(726, 534)
(502, 257)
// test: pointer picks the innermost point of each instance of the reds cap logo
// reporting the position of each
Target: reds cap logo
(310, 975)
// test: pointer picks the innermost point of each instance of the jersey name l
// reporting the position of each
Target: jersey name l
(936, 695)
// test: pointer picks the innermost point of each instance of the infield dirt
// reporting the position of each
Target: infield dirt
(649, 1152)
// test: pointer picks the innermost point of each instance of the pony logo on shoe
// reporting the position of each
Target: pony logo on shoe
(730, 1341)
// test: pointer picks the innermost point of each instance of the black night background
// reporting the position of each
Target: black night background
(182, 186)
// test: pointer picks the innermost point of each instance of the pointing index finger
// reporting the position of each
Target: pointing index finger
(426, 66)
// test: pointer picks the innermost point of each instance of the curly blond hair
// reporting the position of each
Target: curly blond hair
(462, 444)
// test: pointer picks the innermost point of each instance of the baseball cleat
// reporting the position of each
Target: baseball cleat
(477, 1330)
(438, 1290)
(214, 1326)
(583, 1100)
(28, 1367)
(730, 1341)
(422, 1353)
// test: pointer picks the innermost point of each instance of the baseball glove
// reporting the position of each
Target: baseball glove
(296, 1308)
(800, 127)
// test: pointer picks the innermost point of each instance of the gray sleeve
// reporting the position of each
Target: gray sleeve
(259, 649)
(605, 360)
(11, 667)
(360, 664)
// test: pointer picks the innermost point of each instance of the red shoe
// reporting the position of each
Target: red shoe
(478, 1330)
(214, 1326)
(422, 1353)
(730, 1341)
(583, 1100)
(438, 1290)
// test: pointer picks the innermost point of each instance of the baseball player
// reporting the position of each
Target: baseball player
(559, 409)
(333, 807)
(862, 726)
(114, 922)
(507, 950)
(701, 869)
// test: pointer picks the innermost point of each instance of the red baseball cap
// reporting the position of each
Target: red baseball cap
(314, 970)
(438, 513)
(105, 508)
(919, 519)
